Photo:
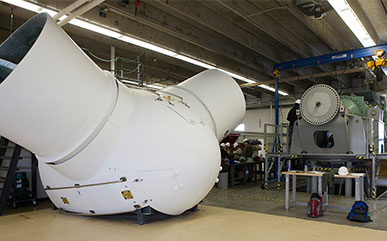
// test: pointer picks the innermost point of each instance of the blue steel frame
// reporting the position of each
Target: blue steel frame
(322, 59)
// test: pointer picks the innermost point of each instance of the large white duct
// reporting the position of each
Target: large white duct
(104, 148)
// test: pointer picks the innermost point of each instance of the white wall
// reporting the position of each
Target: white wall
(255, 119)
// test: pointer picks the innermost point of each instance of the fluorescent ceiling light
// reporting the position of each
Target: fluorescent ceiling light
(350, 18)
(114, 33)
(30, 6)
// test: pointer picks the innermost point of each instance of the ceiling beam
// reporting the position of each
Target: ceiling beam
(320, 27)
(209, 40)
(266, 51)
(289, 33)
(69, 9)
(80, 11)
(283, 28)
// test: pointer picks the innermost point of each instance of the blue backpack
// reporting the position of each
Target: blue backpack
(359, 212)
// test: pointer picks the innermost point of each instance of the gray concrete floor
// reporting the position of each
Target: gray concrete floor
(208, 224)
(252, 198)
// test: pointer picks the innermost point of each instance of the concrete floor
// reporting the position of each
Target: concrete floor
(253, 198)
(209, 223)
(241, 213)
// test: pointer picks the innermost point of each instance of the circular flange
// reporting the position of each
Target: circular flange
(319, 104)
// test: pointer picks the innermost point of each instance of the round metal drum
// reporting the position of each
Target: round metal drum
(319, 104)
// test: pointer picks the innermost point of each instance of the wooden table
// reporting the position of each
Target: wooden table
(294, 175)
(359, 184)
(359, 187)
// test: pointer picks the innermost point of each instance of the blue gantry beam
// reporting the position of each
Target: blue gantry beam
(319, 60)
(330, 58)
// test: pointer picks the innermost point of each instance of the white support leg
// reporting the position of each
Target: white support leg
(294, 190)
(287, 191)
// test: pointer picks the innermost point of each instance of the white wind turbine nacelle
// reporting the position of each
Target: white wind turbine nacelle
(104, 148)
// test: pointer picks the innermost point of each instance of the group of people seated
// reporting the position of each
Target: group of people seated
(242, 152)
(239, 153)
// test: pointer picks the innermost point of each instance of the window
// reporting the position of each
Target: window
(240, 127)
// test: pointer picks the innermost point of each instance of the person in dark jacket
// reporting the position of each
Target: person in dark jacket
(292, 117)
(247, 157)
(247, 151)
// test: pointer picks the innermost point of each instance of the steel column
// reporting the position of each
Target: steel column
(276, 139)
(112, 60)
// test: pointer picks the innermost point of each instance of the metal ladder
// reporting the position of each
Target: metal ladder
(275, 158)
(8, 166)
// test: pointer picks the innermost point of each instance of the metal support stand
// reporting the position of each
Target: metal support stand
(265, 184)
(308, 184)
(348, 183)
(359, 189)
(287, 191)
(113, 60)
(142, 214)
(313, 180)
(294, 190)
(373, 179)
(34, 167)
(194, 209)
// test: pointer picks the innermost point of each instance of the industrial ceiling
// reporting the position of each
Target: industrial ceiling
(243, 37)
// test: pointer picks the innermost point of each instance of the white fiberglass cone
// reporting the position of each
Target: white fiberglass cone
(104, 148)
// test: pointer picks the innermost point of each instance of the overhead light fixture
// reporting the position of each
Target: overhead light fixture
(350, 18)
(266, 87)
(115, 33)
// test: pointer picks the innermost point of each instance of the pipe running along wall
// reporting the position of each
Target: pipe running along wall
(104, 148)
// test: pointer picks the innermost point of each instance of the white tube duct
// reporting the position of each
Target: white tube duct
(104, 148)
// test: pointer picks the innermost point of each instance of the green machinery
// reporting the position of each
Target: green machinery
(355, 104)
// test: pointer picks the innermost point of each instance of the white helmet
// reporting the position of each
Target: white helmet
(343, 171)
(298, 101)
(246, 140)
(222, 145)
(228, 144)
(235, 144)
